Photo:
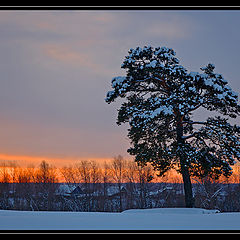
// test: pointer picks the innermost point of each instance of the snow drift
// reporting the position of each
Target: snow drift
(136, 219)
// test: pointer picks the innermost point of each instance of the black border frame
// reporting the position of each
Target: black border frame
(116, 8)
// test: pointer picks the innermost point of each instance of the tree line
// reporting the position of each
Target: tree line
(37, 189)
(85, 171)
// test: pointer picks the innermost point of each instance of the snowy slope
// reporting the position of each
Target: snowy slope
(139, 219)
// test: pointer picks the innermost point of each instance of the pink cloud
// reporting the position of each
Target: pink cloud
(74, 58)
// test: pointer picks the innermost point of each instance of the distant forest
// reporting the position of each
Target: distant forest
(112, 187)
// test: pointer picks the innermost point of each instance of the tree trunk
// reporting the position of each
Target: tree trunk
(189, 200)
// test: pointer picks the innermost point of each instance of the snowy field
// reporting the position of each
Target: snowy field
(147, 219)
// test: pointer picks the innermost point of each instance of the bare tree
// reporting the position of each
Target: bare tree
(45, 178)
(207, 192)
(131, 174)
(145, 175)
(106, 176)
(118, 169)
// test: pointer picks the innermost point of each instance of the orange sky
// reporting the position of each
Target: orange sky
(23, 160)
(7, 160)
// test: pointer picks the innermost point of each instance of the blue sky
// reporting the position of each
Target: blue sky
(56, 67)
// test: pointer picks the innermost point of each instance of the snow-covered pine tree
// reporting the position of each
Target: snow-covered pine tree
(160, 99)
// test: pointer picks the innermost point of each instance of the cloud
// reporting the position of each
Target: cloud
(91, 39)
(168, 30)
(56, 67)
(64, 54)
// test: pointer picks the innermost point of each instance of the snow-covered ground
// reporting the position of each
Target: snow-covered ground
(139, 219)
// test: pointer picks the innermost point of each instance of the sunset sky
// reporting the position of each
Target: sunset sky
(56, 67)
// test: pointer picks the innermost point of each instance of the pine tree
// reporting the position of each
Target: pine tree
(160, 99)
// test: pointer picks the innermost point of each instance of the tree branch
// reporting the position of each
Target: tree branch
(189, 136)
(194, 122)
